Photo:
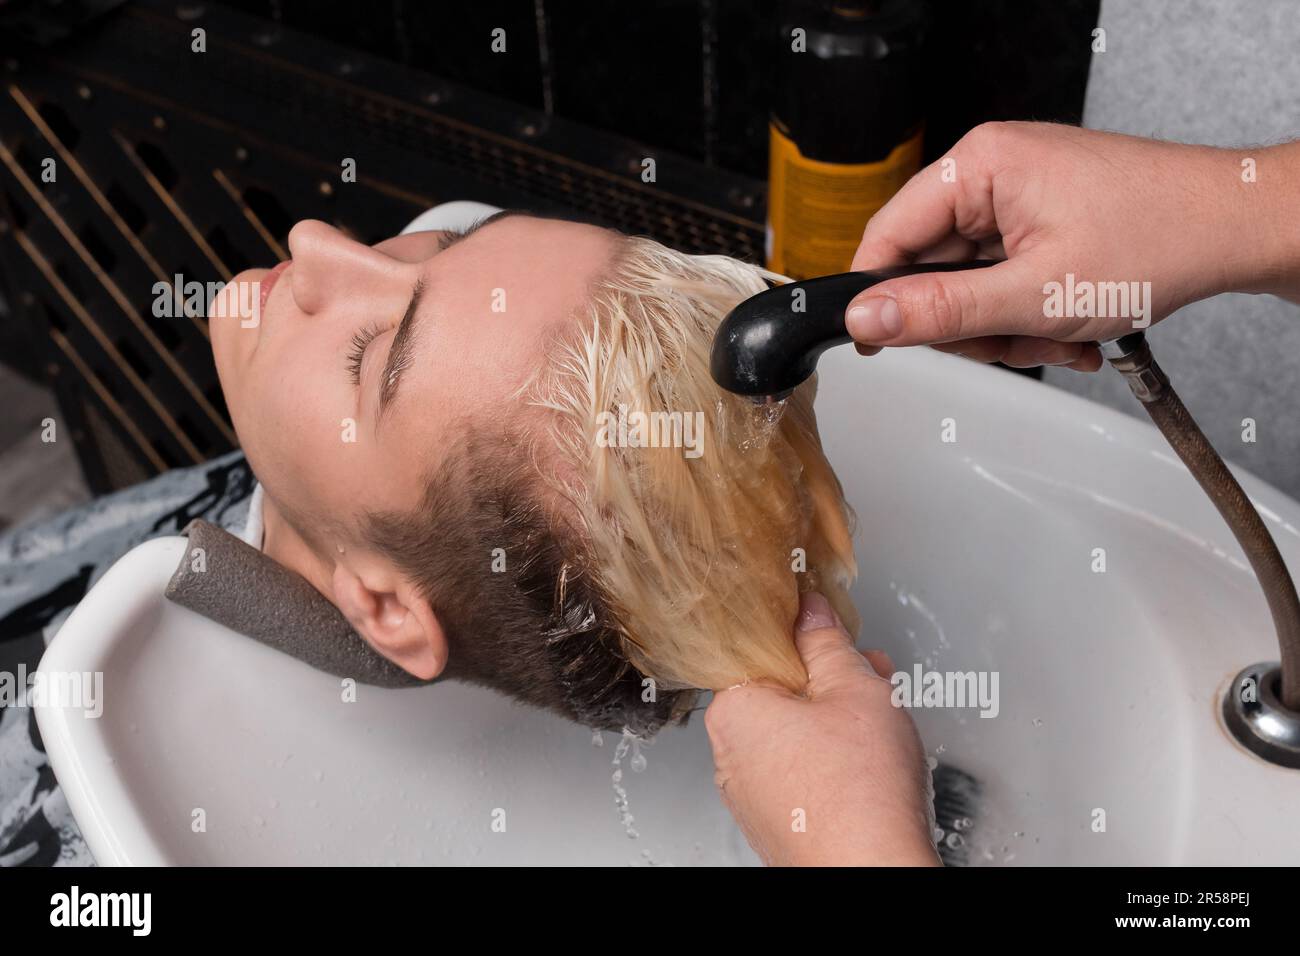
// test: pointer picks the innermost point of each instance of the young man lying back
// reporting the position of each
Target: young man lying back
(445, 427)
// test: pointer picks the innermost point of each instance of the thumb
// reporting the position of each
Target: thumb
(932, 307)
(825, 646)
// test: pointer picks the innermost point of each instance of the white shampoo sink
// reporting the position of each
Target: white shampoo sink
(976, 555)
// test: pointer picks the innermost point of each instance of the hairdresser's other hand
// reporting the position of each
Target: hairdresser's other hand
(1053, 201)
(837, 778)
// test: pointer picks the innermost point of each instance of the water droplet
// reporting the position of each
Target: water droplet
(596, 739)
(932, 763)
(962, 823)
(954, 841)
(638, 761)
(620, 792)
(624, 745)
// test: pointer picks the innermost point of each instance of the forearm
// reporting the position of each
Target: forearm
(1261, 245)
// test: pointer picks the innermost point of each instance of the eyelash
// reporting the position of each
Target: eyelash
(360, 340)
(448, 237)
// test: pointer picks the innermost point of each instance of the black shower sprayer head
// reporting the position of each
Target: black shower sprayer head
(769, 344)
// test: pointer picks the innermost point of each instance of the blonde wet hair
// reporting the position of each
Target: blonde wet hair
(699, 560)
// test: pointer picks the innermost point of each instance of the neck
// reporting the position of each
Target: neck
(282, 543)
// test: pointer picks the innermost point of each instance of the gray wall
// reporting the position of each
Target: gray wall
(1226, 73)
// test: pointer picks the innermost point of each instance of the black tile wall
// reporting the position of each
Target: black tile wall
(689, 75)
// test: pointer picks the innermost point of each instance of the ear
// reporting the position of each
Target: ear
(386, 609)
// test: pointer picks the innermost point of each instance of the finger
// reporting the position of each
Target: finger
(1089, 361)
(952, 249)
(1019, 351)
(1027, 351)
(730, 712)
(984, 348)
(920, 215)
(952, 348)
(880, 662)
(1005, 299)
(825, 646)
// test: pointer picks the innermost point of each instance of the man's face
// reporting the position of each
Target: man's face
(344, 393)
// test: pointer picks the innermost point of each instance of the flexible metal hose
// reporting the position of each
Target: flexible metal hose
(1132, 357)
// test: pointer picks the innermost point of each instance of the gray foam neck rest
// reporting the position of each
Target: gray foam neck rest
(240, 587)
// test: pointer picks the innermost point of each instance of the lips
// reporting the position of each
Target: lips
(269, 280)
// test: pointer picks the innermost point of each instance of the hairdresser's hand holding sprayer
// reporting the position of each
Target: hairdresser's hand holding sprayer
(838, 777)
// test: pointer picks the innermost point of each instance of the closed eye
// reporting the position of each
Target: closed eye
(360, 340)
(449, 237)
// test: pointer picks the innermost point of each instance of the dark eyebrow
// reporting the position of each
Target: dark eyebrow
(399, 353)
(454, 236)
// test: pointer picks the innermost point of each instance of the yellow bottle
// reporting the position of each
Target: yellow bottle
(845, 130)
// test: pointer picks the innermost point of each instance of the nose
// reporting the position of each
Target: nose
(330, 269)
